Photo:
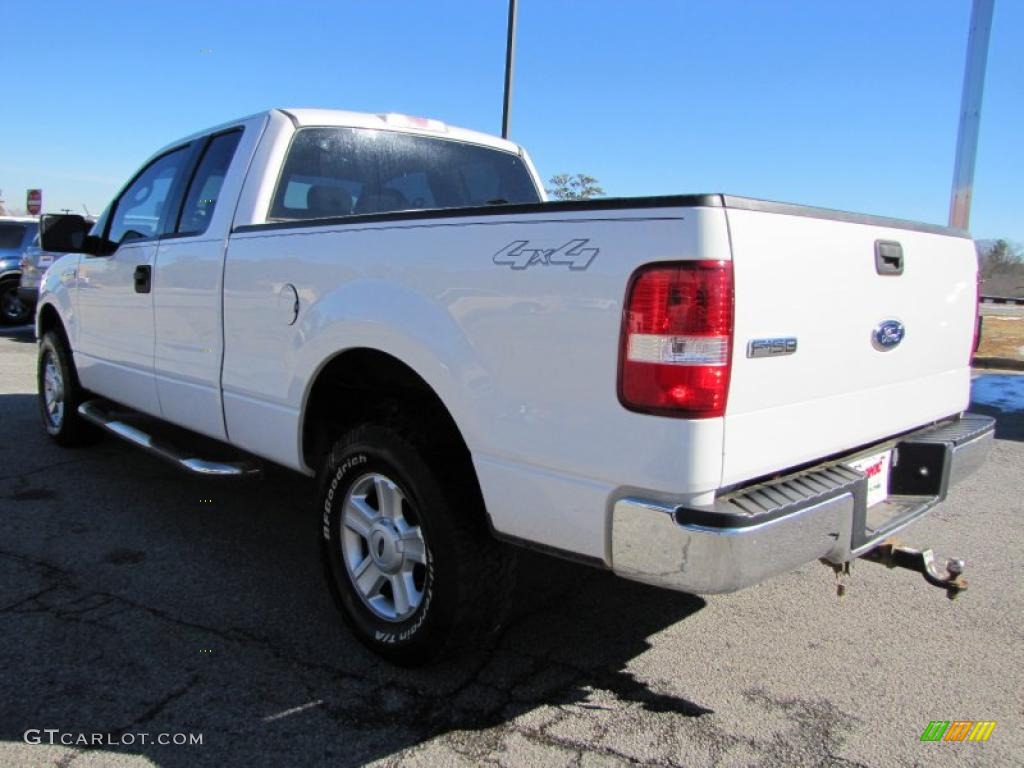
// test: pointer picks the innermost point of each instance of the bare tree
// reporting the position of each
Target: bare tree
(576, 186)
(1001, 256)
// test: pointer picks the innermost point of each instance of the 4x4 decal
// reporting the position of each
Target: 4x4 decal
(518, 256)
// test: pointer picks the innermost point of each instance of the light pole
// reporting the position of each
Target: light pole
(510, 61)
(970, 113)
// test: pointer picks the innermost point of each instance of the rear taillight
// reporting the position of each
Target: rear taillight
(675, 356)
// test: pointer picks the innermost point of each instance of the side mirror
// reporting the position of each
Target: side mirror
(64, 233)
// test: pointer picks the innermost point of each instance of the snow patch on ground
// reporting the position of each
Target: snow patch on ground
(1005, 392)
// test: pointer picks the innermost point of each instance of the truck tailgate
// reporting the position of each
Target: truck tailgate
(816, 280)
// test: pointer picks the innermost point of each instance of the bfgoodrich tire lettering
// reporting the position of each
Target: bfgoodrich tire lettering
(408, 602)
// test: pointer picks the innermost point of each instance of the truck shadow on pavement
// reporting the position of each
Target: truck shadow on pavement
(1001, 396)
(135, 600)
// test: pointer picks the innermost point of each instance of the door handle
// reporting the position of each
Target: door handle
(888, 257)
(143, 278)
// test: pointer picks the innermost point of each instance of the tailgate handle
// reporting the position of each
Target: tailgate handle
(888, 257)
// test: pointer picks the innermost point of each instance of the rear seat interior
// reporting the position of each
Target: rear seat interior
(323, 201)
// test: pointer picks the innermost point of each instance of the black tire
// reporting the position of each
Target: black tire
(13, 311)
(67, 428)
(466, 577)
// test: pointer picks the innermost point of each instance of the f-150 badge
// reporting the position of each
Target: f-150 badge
(518, 256)
(771, 347)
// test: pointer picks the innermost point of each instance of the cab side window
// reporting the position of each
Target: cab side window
(146, 203)
(203, 190)
(11, 236)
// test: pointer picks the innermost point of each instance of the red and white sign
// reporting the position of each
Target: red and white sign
(34, 201)
(877, 469)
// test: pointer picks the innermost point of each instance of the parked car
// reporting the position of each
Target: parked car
(34, 264)
(695, 391)
(16, 234)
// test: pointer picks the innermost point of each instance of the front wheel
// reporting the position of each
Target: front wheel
(13, 311)
(60, 394)
(415, 573)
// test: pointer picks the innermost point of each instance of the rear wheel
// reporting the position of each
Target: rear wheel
(60, 394)
(13, 311)
(413, 570)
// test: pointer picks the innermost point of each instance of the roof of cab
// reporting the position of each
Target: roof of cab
(307, 118)
(337, 117)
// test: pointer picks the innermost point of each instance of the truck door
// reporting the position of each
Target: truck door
(187, 293)
(115, 299)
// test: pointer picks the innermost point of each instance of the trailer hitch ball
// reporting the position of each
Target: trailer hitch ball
(923, 561)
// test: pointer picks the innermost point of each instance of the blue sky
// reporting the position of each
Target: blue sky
(850, 104)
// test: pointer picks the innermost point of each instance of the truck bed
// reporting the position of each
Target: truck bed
(525, 353)
(704, 200)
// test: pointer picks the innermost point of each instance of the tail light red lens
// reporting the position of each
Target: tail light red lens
(675, 357)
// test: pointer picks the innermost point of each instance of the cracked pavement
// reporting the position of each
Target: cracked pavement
(128, 606)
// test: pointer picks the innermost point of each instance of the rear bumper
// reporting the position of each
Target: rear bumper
(773, 527)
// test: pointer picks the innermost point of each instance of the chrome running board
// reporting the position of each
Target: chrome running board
(94, 411)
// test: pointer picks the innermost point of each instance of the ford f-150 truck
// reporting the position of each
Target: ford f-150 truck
(694, 391)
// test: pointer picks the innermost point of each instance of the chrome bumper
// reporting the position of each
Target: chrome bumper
(773, 527)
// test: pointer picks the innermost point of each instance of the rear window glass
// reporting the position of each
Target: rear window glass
(352, 171)
(11, 235)
(201, 198)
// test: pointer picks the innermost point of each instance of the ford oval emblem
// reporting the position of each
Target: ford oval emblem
(888, 335)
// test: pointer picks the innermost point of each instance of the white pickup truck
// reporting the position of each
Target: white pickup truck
(695, 391)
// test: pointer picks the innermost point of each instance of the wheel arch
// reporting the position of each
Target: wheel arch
(363, 384)
(48, 319)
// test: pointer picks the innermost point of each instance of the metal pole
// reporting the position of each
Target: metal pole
(970, 113)
(510, 61)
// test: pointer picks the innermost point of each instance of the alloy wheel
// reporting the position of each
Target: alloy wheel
(383, 547)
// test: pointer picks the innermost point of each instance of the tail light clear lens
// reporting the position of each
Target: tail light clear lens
(675, 357)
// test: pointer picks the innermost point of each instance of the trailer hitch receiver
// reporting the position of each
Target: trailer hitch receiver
(895, 555)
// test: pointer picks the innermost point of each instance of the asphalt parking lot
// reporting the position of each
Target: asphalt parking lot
(135, 599)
